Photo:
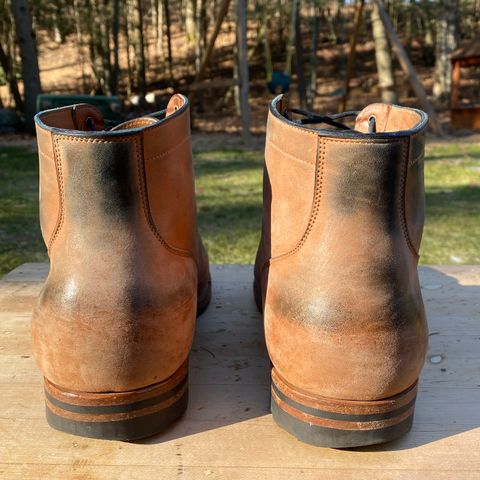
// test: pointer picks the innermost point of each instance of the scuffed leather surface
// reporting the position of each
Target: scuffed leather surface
(118, 309)
(343, 312)
(169, 174)
(49, 195)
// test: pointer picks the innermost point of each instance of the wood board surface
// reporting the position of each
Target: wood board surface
(228, 432)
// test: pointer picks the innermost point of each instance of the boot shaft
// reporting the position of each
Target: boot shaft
(101, 187)
(344, 186)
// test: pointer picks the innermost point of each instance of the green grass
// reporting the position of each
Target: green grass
(452, 227)
(20, 238)
(229, 191)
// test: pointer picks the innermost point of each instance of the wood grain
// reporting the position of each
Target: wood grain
(227, 432)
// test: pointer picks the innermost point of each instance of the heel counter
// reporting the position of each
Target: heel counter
(115, 329)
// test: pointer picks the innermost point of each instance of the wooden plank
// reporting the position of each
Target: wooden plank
(227, 431)
(456, 84)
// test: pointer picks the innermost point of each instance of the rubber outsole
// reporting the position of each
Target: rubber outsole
(333, 423)
(118, 416)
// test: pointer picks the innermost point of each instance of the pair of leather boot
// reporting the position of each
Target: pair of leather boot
(335, 274)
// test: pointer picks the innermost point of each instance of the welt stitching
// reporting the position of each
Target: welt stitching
(142, 186)
(319, 181)
(288, 154)
(403, 218)
(61, 193)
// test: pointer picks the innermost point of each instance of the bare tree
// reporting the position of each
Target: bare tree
(6, 64)
(158, 24)
(137, 36)
(383, 57)
(446, 43)
(166, 9)
(115, 33)
(28, 53)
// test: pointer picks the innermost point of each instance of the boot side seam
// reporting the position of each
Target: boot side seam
(170, 150)
(48, 157)
(406, 146)
(61, 192)
(293, 157)
(416, 160)
(142, 186)
(319, 180)
(319, 175)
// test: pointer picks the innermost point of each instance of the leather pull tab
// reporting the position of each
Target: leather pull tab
(284, 106)
(135, 123)
(87, 118)
(379, 111)
(388, 118)
(176, 102)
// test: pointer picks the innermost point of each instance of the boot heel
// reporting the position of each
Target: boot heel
(328, 422)
(118, 415)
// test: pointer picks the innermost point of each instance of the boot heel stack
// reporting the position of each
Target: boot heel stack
(328, 422)
(118, 415)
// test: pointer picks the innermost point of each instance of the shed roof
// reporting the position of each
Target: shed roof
(468, 50)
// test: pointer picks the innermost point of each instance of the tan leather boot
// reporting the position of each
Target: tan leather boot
(114, 323)
(336, 273)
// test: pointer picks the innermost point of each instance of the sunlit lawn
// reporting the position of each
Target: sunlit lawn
(229, 185)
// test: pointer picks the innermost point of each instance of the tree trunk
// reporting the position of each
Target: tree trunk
(115, 32)
(126, 33)
(428, 45)
(28, 54)
(209, 50)
(357, 22)
(80, 42)
(299, 67)
(158, 27)
(166, 10)
(199, 26)
(312, 84)
(383, 57)
(409, 71)
(446, 43)
(139, 45)
(6, 64)
(99, 45)
(190, 8)
(242, 62)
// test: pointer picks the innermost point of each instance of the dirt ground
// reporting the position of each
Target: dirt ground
(65, 69)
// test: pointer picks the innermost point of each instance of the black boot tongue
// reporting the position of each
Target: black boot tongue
(136, 123)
